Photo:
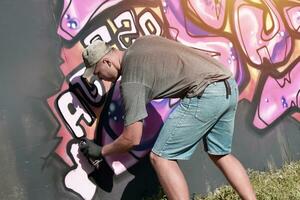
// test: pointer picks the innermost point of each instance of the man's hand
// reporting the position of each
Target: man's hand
(90, 149)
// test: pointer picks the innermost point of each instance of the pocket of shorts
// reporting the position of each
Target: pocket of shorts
(209, 108)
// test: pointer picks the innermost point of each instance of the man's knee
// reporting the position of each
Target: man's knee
(154, 158)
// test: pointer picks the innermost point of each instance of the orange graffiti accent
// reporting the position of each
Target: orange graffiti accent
(63, 132)
(71, 57)
(296, 116)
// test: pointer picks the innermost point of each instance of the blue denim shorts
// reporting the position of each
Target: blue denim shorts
(209, 117)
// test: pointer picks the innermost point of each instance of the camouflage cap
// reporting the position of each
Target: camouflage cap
(92, 54)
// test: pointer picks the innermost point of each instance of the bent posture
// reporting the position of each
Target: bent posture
(154, 68)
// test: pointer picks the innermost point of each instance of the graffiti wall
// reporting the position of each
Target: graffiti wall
(258, 40)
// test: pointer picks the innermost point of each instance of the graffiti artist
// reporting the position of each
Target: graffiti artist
(154, 68)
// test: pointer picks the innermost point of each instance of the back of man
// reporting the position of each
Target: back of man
(155, 67)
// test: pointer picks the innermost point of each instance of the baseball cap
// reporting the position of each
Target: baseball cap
(91, 55)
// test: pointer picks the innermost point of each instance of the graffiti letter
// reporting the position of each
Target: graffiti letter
(100, 33)
(126, 22)
(149, 24)
(72, 111)
(92, 94)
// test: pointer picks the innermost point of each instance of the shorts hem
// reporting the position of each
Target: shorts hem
(170, 158)
(218, 153)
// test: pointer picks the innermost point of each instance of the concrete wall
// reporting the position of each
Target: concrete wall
(45, 105)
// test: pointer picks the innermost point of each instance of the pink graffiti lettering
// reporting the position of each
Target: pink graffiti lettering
(218, 47)
(211, 12)
(76, 14)
(245, 36)
(257, 43)
(292, 15)
(278, 97)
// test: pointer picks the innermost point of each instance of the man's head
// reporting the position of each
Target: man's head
(101, 60)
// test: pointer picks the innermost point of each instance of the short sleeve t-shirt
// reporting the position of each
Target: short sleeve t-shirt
(154, 67)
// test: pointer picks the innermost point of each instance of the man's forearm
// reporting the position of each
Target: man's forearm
(130, 137)
(120, 145)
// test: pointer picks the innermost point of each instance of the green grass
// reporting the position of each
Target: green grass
(275, 184)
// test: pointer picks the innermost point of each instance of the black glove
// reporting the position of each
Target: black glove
(90, 149)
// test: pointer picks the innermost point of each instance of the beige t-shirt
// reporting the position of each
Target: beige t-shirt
(154, 67)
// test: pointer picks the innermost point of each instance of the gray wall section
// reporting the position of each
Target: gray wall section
(29, 75)
(29, 52)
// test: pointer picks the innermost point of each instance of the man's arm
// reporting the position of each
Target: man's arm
(130, 137)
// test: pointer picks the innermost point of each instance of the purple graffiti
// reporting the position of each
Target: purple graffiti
(278, 97)
(258, 43)
(211, 12)
(292, 15)
(76, 14)
(113, 124)
(243, 35)
(220, 48)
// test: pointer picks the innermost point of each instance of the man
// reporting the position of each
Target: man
(153, 68)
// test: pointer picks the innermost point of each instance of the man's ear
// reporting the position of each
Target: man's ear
(107, 61)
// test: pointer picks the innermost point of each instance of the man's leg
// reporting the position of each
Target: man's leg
(170, 177)
(235, 174)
